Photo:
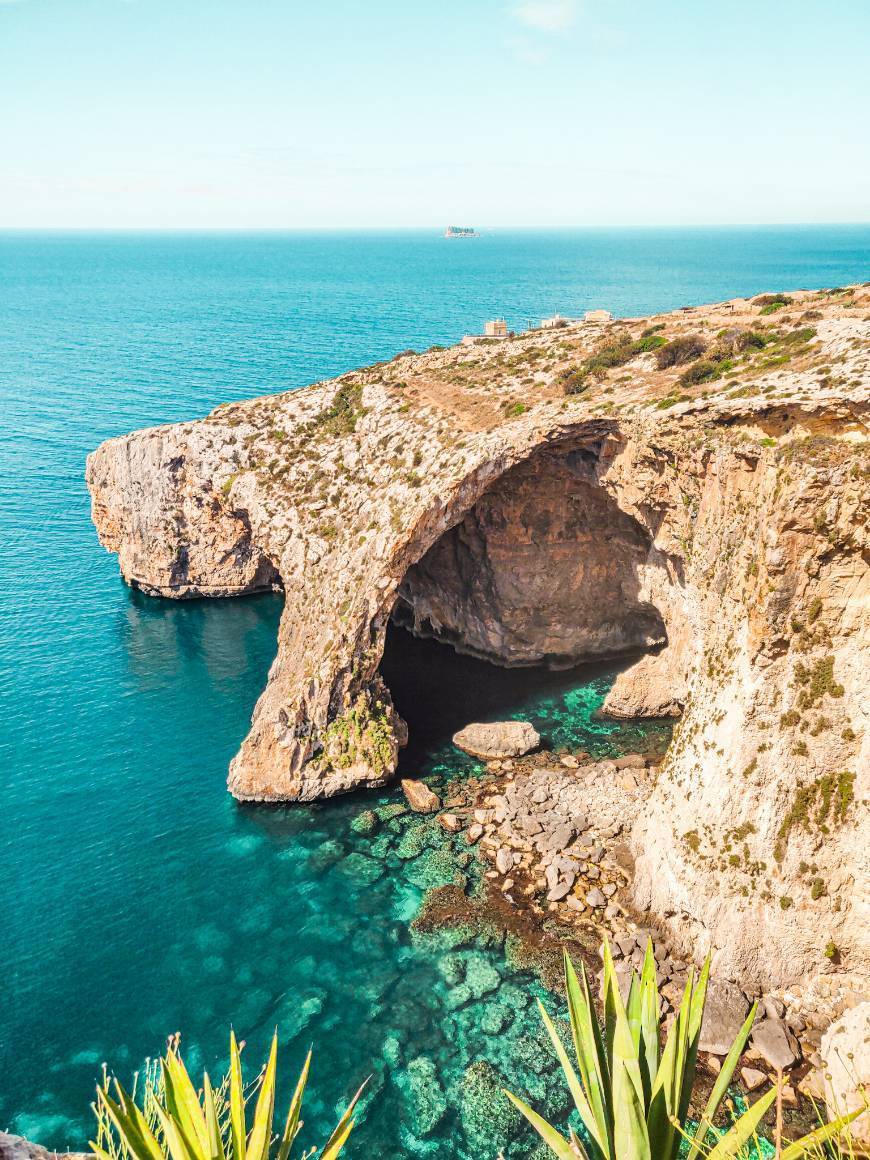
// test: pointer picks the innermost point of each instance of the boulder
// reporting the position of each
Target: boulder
(497, 739)
(504, 860)
(630, 761)
(845, 1052)
(420, 797)
(450, 823)
(753, 1078)
(724, 1013)
(773, 1042)
(595, 898)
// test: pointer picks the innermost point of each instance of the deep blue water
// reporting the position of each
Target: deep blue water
(136, 898)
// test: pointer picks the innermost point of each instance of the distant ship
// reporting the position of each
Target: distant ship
(461, 232)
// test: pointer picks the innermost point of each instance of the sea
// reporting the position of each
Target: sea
(137, 899)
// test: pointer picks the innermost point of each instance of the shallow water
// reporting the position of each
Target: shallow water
(136, 898)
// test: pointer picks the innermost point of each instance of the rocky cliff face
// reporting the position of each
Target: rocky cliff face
(713, 510)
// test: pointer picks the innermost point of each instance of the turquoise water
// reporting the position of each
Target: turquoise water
(136, 898)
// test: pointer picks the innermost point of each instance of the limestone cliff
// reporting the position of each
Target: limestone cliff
(693, 484)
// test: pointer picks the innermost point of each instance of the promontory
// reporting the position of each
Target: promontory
(688, 489)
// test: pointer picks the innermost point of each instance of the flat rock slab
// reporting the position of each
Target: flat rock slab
(420, 797)
(497, 739)
(724, 1012)
(773, 1042)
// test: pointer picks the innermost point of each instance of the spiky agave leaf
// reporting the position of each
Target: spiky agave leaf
(729, 1145)
(264, 1113)
(591, 1054)
(556, 1142)
(293, 1123)
(720, 1087)
(575, 1086)
(238, 1130)
(343, 1129)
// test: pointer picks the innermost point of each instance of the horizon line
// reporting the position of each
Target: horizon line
(540, 228)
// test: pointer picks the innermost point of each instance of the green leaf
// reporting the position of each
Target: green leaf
(238, 1131)
(668, 1083)
(557, 1143)
(183, 1105)
(821, 1135)
(631, 1141)
(342, 1130)
(730, 1144)
(174, 1141)
(575, 1086)
(291, 1127)
(720, 1087)
(264, 1113)
(650, 1014)
(215, 1142)
(590, 1051)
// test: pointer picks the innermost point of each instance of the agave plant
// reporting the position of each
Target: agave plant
(177, 1122)
(631, 1094)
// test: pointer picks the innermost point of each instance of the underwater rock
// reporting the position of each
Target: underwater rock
(297, 1016)
(365, 823)
(458, 996)
(362, 868)
(489, 1119)
(496, 1018)
(326, 855)
(497, 739)
(480, 975)
(392, 1051)
(450, 822)
(452, 968)
(413, 842)
(423, 1094)
(432, 868)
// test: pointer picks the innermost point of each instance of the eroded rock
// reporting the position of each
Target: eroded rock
(497, 739)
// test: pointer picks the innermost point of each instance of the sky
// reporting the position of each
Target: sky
(286, 114)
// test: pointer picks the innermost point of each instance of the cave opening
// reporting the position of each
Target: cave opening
(540, 588)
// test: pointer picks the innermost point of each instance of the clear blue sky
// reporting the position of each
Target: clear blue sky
(281, 113)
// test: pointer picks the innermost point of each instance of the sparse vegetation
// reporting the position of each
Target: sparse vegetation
(680, 351)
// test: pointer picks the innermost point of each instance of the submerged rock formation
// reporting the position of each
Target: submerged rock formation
(711, 507)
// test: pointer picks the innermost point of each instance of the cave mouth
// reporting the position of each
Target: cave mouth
(544, 569)
(437, 691)
(538, 590)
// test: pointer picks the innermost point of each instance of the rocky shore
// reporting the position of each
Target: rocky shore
(691, 486)
(549, 833)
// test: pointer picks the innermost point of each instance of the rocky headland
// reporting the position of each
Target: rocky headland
(692, 485)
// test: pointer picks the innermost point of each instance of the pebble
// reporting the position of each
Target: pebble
(596, 899)
(474, 833)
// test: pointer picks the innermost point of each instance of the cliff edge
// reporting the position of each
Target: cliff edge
(693, 485)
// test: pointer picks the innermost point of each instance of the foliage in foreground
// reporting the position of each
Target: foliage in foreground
(176, 1122)
(632, 1096)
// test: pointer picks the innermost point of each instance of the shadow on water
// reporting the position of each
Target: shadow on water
(438, 691)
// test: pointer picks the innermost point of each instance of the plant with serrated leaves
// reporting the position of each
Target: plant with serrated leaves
(177, 1122)
(632, 1094)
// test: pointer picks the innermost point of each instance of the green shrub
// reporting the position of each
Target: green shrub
(705, 371)
(770, 303)
(632, 1095)
(176, 1122)
(680, 351)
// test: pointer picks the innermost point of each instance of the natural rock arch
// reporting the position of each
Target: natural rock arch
(740, 529)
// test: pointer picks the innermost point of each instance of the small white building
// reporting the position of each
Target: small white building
(553, 323)
(597, 316)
